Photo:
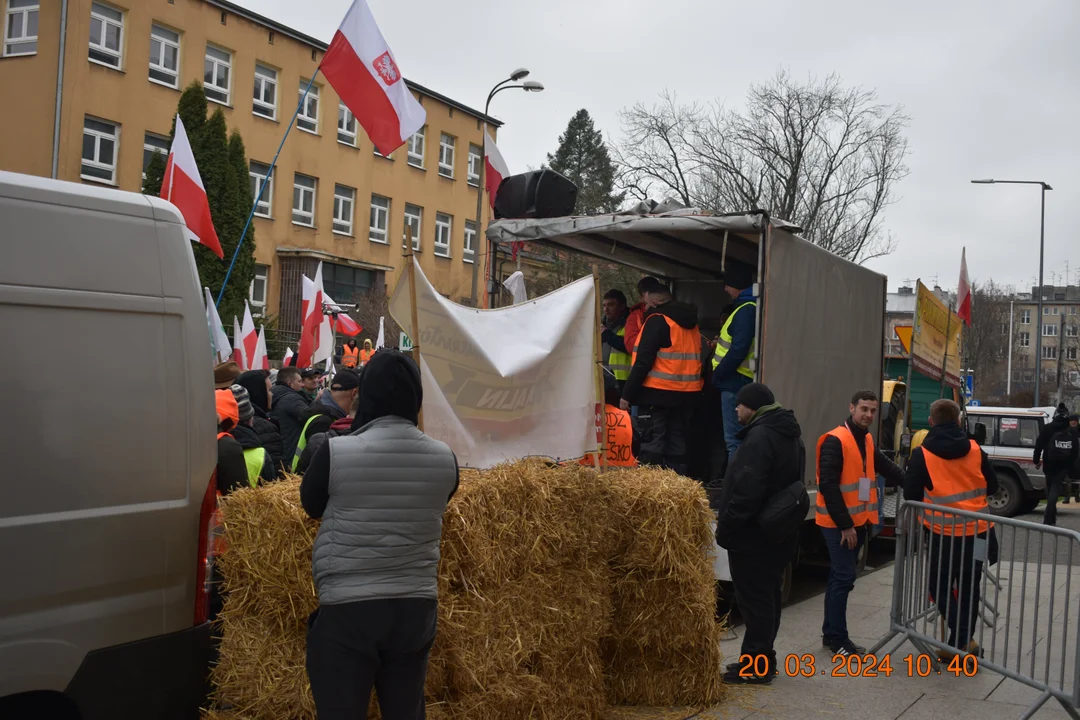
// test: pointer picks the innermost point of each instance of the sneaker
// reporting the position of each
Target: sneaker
(732, 677)
(847, 648)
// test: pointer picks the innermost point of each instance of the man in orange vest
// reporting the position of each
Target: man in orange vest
(666, 378)
(848, 463)
(350, 355)
(951, 471)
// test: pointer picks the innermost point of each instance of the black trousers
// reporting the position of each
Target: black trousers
(758, 579)
(664, 432)
(380, 644)
(1056, 479)
(955, 584)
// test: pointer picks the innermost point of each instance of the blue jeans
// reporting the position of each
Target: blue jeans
(842, 562)
(731, 422)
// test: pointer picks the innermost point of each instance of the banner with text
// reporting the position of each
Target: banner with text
(508, 383)
(929, 350)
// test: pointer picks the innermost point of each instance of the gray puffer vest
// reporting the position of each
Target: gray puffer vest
(389, 486)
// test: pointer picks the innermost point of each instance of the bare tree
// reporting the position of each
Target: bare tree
(370, 306)
(564, 267)
(986, 340)
(817, 154)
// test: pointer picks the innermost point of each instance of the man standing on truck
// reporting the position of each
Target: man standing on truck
(1056, 448)
(848, 462)
(732, 363)
(616, 354)
(952, 472)
(666, 377)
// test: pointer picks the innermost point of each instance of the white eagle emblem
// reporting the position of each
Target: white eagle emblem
(387, 69)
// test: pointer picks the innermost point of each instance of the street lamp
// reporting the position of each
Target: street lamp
(527, 86)
(1042, 246)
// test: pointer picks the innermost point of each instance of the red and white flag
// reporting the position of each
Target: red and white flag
(261, 361)
(249, 339)
(238, 345)
(494, 168)
(343, 323)
(311, 315)
(288, 356)
(361, 68)
(183, 187)
(218, 338)
(963, 294)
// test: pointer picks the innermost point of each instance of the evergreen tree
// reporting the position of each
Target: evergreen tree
(583, 157)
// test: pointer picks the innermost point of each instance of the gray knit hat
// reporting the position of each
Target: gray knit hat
(243, 401)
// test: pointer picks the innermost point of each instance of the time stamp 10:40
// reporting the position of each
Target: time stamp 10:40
(921, 665)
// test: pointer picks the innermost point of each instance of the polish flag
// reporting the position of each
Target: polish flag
(238, 345)
(494, 167)
(311, 318)
(963, 294)
(261, 360)
(183, 187)
(249, 339)
(288, 355)
(361, 68)
(218, 338)
(345, 324)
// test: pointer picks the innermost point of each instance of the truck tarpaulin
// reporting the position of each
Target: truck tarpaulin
(508, 383)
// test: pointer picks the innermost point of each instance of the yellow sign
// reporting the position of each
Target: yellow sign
(932, 324)
(903, 332)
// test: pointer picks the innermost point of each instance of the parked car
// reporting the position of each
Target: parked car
(1010, 442)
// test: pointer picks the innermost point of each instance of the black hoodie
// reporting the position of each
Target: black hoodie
(948, 442)
(654, 337)
(247, 439)
(254, 381)
(770, 458)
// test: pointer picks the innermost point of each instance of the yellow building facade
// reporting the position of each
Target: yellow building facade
(332, 197)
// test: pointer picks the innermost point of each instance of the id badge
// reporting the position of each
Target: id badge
(979, 550)
(864, 489)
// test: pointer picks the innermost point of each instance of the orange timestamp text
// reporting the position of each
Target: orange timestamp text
(921, 665)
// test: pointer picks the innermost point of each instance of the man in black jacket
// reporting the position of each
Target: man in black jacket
(770, 457)
(665, 379)
(257, 383)
(1055, 450)
(289, 406)
(844, 538)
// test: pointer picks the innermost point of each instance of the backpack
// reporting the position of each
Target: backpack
(784, 512)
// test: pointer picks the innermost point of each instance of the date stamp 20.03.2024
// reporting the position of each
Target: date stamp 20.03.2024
(806, 665)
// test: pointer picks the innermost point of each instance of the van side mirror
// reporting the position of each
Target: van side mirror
(905, 445)
(980, 433)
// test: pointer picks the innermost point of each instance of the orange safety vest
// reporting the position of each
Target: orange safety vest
(677, 367)
(958, 484)
(350, 356)
(861, 512)
(620, 438)
(365, 355)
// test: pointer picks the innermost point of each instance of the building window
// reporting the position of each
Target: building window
(1004, 328)
(217, 74)
(258, 289)
(470, 241)
(446, 155)
(308, 117)
(476, 156)
(261, 174)
(1025, 317)
(1070, 331)
(345, 283)
(152, 145)
(1070, 353)
(1049, 330)
(1024, 339)
(21, 28)
(99, 147)
(416, 148)
(380, 219)
(1072, 311)
(1049, 352)
(264, 101)
(1074, 378)
(106, 35)
(346, 126)
(414, 219)
(164, 56)
(344, 202)
(303, 200)
(444, 225)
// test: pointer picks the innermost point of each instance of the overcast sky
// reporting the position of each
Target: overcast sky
(992, 86)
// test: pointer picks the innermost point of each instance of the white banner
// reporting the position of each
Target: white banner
(509, 383)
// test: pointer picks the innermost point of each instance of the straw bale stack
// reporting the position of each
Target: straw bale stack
(561, 590)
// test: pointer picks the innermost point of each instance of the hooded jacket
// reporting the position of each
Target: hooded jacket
(341, 426)
(325, 411)
(831, 468)
(770, 458)
(231, 469)
(288, 409)
(655, 336)
(1053, 465)
(247, 438)
(254, 381)
(381, 492)
(948, 442)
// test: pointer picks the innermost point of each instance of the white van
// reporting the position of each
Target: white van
(1010, 444)
(108, 448)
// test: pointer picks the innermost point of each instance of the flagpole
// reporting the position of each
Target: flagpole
(414, 331)
(262, 186)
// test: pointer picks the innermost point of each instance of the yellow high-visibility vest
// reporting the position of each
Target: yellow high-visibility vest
(254, 459)
(619, 362)
(723, 345)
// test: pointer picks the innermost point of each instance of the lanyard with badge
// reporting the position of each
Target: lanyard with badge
(865, 482)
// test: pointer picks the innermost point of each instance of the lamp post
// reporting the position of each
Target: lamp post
(507, 84)
(1042, 247)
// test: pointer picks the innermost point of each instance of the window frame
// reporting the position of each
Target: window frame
(1025, 317)
(302, 115)
(1049, 330)
(259, 305)
(96, 162)
(471, 178)
(375, 211)
(1023, 339)
(346, 113)
(446, 170)
(468, 251)
(263, 81)
(418, 237)
(443, 249)
(161, 68)
(1049, 352)
(339, 201)
(1071, 352)
(23, 39)
(101, 48)
(303, 189)
(418, 156)
(268, 195)
(216, 62)
(164, 150)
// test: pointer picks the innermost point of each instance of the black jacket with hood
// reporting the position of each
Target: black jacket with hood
(831, 468)
(770, 458)
(254, 381)
(948, 442)
(231, 469)
(288, 409)
(1053, 464)
(248, 439)
(655, 336)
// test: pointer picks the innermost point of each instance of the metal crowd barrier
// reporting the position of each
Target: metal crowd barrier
(1014, 591)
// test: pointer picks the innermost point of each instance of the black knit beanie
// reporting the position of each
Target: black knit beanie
(755, 396)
